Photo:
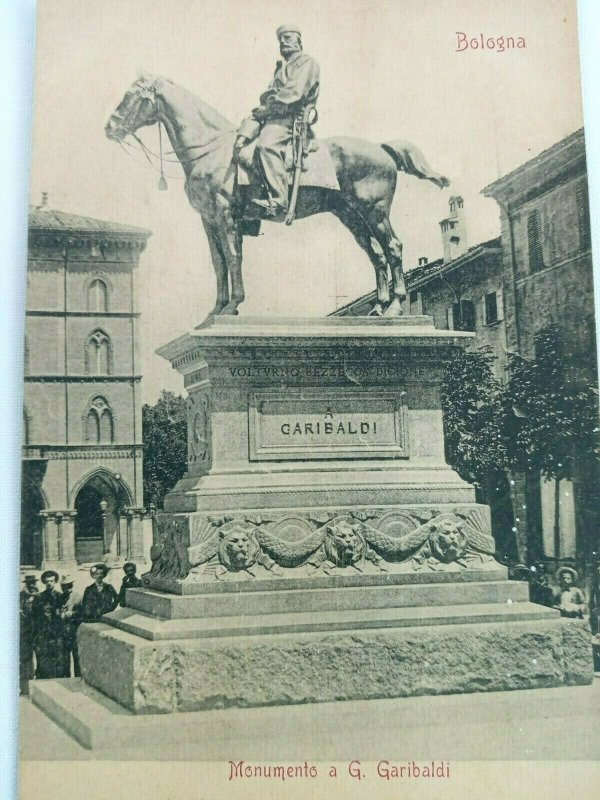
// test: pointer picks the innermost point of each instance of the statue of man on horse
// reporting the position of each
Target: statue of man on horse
(282, 116)
(228, 170)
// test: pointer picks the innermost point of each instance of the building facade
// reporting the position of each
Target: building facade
(548, 280)
(536, 274)
(82, 492)
(461, 291)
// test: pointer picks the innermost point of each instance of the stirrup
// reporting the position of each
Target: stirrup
(274, 211)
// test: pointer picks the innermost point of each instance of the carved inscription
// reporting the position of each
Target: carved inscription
(354, 372)
(326, 424)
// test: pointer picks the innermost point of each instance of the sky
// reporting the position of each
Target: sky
(389, 70)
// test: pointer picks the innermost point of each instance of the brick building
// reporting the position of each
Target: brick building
(82, 438)
(548, 279)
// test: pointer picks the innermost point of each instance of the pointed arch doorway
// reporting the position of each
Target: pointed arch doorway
(99, 503)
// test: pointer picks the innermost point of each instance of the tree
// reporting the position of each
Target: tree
(474, 438)
(550, 415)
(164, 432)
(472, 413)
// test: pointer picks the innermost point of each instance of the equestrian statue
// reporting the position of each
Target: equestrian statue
(273, 168)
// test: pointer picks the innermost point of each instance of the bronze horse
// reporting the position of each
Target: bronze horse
(203, 142)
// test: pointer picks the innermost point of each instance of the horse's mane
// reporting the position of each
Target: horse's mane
(209, 115)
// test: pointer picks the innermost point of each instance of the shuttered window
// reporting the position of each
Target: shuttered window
(583, 216)
(534, 239)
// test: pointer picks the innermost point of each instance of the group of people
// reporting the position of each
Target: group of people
(50, 619)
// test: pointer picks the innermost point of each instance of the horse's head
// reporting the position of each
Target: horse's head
(138, 108)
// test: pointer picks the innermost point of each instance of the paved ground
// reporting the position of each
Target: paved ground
(552, 724)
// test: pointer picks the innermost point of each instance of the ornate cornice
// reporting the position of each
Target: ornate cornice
(82, 378)
(86, 452)
(50, 237)
(103, 314)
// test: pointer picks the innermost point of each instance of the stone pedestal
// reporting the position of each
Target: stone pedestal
(305, 431)
(319, 546)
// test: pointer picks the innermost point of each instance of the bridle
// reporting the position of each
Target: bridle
(149, 93)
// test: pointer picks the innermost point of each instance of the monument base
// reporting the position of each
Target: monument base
(361, 637)
(319, 547)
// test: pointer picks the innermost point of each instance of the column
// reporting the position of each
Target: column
(68, 536)
(124, 534)
(58, 538)
(135, 543)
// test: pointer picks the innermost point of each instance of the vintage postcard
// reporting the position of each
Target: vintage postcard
(311, 443)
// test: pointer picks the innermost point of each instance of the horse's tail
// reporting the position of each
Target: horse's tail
(411, 160)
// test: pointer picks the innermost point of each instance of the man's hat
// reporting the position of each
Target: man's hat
(49, 573)
(66, 580)
(31, 577)
(288, 28)
(129, 567)
(99, 568)
(572, 572)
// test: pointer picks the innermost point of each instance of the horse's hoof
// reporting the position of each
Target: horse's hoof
(393, 310)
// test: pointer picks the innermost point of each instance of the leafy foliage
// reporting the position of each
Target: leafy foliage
(472, 412)
(549, 413)
(164, 427)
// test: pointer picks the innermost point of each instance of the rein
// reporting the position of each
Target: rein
(149, 154)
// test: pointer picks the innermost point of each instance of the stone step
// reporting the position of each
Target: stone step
(150, 627)
(199, 674)
(459, 727)
(332, 599)
(290, 579)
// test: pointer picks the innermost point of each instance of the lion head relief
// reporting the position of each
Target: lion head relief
(238, 548)
(447, 540)
(344, 543)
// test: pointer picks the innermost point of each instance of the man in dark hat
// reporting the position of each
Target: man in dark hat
(570, 599)
(130, 581)
(71, 615)
(26, 667)
(540, 590)
(295, 86)
(100, 597)
(46, 613)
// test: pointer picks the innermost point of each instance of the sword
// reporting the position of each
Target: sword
(300, 145)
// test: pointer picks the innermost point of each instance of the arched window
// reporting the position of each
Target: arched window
(106, 427)
(99, 423)
(97, 296)
(98, 354)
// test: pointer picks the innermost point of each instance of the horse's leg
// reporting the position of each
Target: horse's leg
(379, 221)
(230, 241)
(220, 267)
(360, 230)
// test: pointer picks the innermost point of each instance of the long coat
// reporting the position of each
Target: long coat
(129, 582)
(26, 633)
(72, 615)
(98, 602)
(294, 85)
(48, 634)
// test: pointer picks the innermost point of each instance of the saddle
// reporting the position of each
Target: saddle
(317, 169)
